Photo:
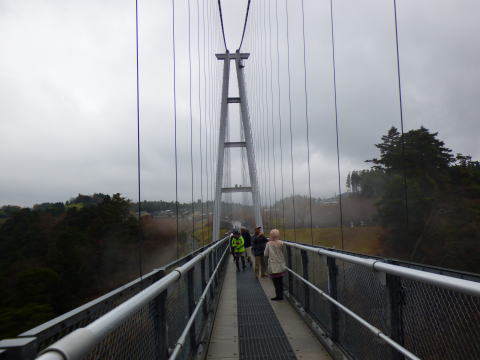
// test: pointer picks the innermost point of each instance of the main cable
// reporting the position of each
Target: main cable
(336, 122)
(244, 25)
(307, 122)
(221, 22)
(139, 205)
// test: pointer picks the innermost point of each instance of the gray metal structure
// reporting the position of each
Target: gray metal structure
(363, 307)
(147, 318)
(360, 307)
(224, 143)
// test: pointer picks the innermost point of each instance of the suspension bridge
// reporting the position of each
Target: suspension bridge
(339, 304)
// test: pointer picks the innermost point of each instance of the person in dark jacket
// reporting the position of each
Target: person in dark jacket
(247, 238)
(259, 241)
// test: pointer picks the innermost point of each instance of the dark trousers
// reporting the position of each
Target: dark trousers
(278, 284)
(238, 256)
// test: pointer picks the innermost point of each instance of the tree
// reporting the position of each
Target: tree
(438, 207)
(54, 258)
(355, 182)
(9, 210)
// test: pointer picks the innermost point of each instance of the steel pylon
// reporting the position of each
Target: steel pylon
(224, 143)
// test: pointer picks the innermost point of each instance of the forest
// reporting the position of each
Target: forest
(57, 256)
(417, 201)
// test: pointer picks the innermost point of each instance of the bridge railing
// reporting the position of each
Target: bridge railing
(151, 330)
(373, 308)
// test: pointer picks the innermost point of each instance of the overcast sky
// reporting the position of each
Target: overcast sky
(67, 90)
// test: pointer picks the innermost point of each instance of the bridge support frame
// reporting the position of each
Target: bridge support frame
(247, 131)
(306, 288)
(332, 291)
(394, 312)
(160, 322)
(191, 306)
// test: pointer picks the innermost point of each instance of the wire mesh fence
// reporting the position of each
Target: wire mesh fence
(138, 338)
(152, 331)
(447, 322)
(429, 321)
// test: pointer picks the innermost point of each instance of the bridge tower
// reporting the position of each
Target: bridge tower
(224, 143)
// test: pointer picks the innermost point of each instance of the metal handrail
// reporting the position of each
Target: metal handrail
(79, 342)
(358, 318)
(448, 282)
(181, 340)
(58, 324)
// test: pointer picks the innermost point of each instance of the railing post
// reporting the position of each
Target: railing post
(306, 289)
(159, 316)
(19, 348)
(204, 284)
(394, 312)
(332, 291)
(210, 272)
(191, 308)
(289, 265)
(215, 280)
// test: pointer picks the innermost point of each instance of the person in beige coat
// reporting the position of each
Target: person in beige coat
(276, 267)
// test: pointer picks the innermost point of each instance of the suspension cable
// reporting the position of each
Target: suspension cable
(290, 121)
(175, 122)
(280, 117)
(211, 89)
(400, 101)
(191, 119)
(210, 15)
(200, 122)
(207, 143)
(139, 184)
(336, 121)
(307, 121)
(258, 113)
(273, 124)
(221, 23)
(268, 188)
(270, 114)
(262, 116)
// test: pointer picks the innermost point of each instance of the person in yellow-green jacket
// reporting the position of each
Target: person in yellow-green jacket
(238, 249)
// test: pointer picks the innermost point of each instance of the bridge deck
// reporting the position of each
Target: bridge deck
(250, 326)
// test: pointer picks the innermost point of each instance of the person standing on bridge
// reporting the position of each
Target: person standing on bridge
(238, 248)
(276, 263)
(259, 242)
(247, 238)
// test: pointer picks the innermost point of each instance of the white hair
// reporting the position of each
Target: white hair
(275, 234)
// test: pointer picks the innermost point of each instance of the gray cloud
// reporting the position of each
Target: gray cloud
(67, 84)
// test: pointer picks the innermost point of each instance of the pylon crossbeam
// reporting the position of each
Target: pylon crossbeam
(232, 144)
(232, 56)
(236, 189)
